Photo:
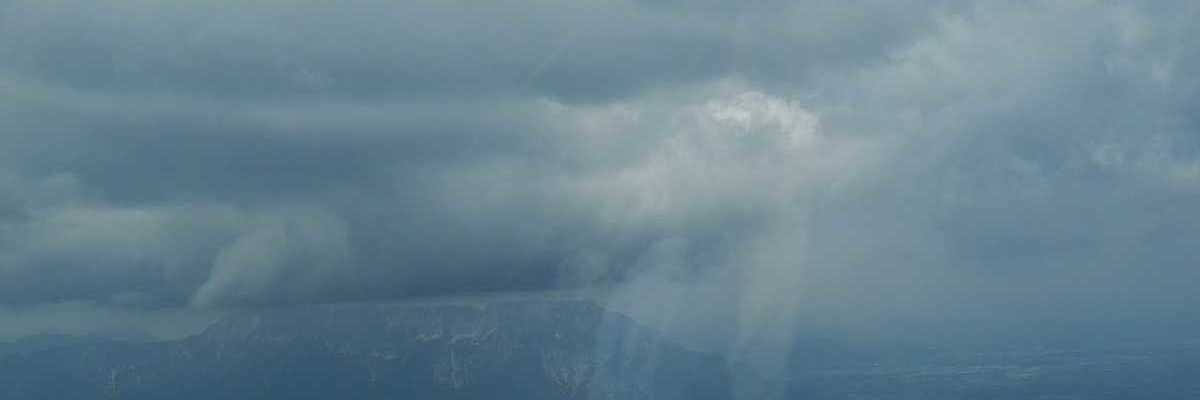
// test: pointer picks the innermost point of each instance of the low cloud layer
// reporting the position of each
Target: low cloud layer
(725, 173)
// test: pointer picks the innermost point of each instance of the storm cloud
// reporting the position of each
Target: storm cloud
(202, 154)
(725, 173)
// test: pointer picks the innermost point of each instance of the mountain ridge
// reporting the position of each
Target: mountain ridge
(534, 349)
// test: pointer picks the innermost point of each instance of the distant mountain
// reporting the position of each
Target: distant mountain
(37, 343)
(514, 349)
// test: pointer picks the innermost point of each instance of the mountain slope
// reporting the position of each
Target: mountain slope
(528, 349)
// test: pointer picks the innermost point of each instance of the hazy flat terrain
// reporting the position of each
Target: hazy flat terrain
(1128, 372)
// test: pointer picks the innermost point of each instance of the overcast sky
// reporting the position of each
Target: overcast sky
(730, 172)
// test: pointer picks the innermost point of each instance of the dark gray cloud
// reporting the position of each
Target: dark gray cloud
(578, 51)
(747, 169)
(212, 153)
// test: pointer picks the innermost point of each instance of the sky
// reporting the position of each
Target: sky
(732, 173)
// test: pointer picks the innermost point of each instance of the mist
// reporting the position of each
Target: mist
(741, 178)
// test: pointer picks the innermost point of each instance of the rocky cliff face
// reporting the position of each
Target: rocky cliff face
(525, 349)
